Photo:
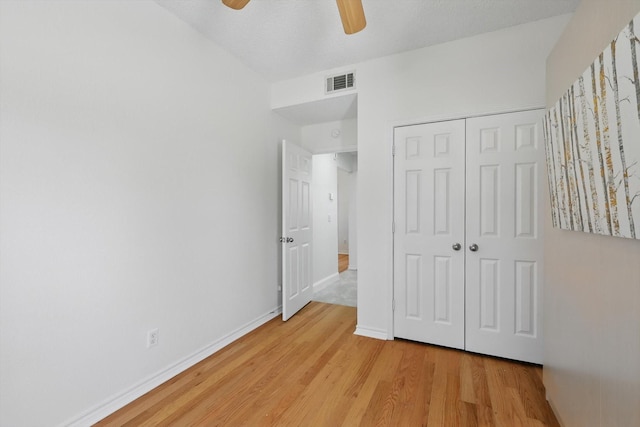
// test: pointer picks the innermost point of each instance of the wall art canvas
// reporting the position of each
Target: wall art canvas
(593, 144)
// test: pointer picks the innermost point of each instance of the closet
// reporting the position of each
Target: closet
(468, 225)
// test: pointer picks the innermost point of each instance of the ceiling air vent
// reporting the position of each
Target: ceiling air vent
(340, 82)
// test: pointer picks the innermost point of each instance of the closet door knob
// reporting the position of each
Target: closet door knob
(456, 246)
(473, 248)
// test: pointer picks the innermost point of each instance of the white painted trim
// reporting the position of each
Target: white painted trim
(376, 333)
(353, 267)
(339, 149)
(118, 401)
(462, 115)
(343, 253)
(390, 133)
(323, 283)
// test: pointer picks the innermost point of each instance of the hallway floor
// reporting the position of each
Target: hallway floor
(342, 292)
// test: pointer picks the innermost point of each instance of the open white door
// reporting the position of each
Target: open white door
(297, 288)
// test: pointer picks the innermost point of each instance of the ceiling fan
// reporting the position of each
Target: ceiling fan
(351, 13)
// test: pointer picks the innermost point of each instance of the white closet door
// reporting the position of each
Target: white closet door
(505, 167)
(429, 221)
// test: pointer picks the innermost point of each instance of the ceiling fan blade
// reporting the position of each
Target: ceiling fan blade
(352, 15)
(235, 4)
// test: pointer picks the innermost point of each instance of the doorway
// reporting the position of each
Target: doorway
(327, 126)
(335, 275)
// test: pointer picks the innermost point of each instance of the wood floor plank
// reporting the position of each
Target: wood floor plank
(363, 410)
(498, 392)
(312, 370)
(338, 401)
(438, 397)
(412, 394)
(308, 365)
(262, 402)
(467, 389)
(202, 394)
(532, 393)
(239, 390)
(484, 416)
(313, 401)
(453, 407)
(468, 414)
(343, 262)
(479, 380)
(422, 402)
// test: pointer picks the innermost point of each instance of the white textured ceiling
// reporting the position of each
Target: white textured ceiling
(281, 39)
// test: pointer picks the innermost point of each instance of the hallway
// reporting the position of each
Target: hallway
(342, 291)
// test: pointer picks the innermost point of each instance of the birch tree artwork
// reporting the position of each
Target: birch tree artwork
(593, 144)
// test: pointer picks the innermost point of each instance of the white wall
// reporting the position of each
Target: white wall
(347, 197)
(353, 219)
(344, 194)
(330, 137)
(130, 187)
(325, 219)
(346, 161)
(493, 72)
(592, 294)
(305, 89)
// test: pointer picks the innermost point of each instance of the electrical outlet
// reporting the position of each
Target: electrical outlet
(153, 335)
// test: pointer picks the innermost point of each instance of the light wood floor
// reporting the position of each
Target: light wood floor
(343, 262)
(312, 371)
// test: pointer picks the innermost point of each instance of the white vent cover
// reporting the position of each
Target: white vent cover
(340, 82)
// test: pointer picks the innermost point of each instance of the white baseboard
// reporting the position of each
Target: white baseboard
(323, 283)
(379, 334)
(343, 253)
(353, 267)
(119, 400)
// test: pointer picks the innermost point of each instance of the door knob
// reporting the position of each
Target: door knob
(456, 246)
(473, 247)
(289, 239)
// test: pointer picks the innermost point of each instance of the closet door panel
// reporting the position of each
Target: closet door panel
(505, 163)
(429, 220)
